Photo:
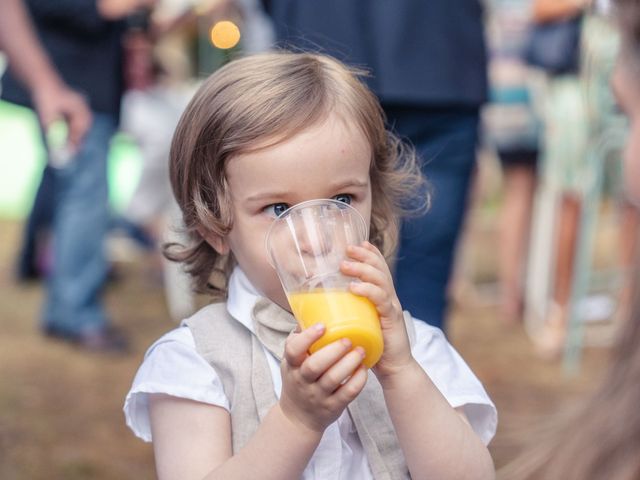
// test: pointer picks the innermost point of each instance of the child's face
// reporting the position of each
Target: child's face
(627, 92)
(328, 160)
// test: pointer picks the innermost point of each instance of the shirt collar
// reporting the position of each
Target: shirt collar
(242, 297)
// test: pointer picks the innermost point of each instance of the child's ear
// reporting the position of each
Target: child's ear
(218, 243)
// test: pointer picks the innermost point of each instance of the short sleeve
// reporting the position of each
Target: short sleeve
(171, 366)
(455, 380)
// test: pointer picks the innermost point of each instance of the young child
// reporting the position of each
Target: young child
(232, 392)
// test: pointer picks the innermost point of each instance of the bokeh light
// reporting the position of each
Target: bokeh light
(225, 34)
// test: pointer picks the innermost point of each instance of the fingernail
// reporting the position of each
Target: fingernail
(361, 351)
(346, 342)
(318, 327)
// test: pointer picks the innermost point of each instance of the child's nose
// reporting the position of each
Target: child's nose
(315, 244)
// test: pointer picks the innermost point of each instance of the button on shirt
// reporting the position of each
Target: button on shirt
(172, 366)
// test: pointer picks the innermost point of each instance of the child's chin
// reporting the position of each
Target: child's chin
(282, 303)
(279, 298)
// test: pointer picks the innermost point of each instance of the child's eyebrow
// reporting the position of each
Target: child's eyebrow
(351, 183)
(269, 195)
(266, 195)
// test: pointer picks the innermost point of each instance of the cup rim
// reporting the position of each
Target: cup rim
(307, 203)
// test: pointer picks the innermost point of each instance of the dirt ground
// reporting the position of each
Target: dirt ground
(61, 409)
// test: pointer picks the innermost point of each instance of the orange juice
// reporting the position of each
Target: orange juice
(345, 315)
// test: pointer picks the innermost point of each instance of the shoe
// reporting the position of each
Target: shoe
(52, 331)
(107, 340)
(27, 273)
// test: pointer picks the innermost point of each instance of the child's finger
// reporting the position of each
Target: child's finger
(367, 253)
(297, 344)
(377, 295)
(342, 370)
(385, 304)
(317, 364)
(350, 389)
(365, 272)
(373, 249)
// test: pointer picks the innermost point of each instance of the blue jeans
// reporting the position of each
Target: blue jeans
(80, 225)
(445, 140)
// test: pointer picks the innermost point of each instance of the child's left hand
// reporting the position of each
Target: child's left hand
(376, 283)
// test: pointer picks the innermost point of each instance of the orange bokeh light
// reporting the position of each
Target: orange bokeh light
(225, 34)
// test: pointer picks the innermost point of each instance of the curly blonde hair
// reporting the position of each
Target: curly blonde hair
(269, 98)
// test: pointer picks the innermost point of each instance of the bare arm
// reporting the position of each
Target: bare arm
(193, 440)
(431, 425)
(51, 96)
(18, 40)
(549, 10)
(437, 441)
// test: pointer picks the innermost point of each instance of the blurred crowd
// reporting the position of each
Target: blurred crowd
(462, 84)
(556, 137)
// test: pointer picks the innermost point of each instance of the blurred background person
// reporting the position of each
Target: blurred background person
(512, 130)
(163, 75)
(52, 98)
(428, 67)
(564, 169)
(601, 437)
(578, 114)
(83, 39)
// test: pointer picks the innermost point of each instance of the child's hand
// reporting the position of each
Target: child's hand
(376, 283)
(317, 388)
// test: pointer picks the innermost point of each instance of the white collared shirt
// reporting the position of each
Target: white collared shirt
(173, 366)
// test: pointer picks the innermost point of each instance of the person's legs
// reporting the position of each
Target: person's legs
(551, 339)
(517, 203)
(37, 228)
(73, 307)
(446, 141)
(568, 222)
(629, 227)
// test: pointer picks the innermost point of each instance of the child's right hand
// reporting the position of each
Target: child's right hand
(313, 392)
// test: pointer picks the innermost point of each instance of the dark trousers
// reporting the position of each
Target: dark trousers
(38, 224)
(445, 139)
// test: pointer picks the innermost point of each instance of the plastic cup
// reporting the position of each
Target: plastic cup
(306, 245)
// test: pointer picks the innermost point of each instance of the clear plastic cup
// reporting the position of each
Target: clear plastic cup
(306, 245)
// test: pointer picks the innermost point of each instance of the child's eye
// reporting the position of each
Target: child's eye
(344, 198)
(275, 209)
